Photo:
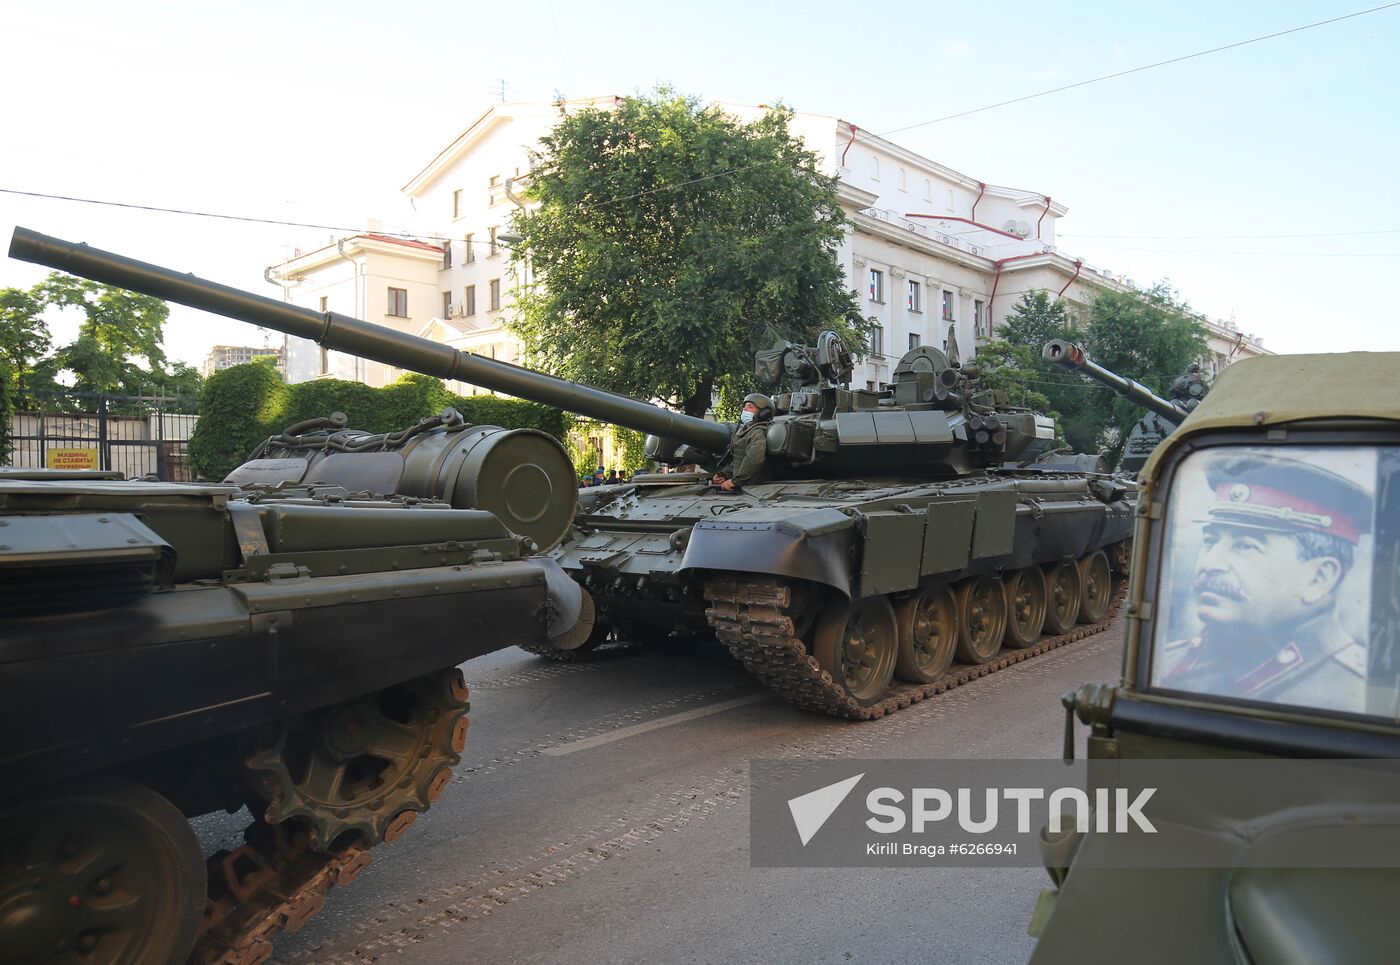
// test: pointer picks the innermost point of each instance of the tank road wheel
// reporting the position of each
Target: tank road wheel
(858, 646)
(1026, 606)
(1062, 593)
(107, 873)
(981, 619)
(927, 624)
(1096, 579)
(368, 765)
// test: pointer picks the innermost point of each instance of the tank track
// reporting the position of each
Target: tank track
(278, 879)
(747, 616)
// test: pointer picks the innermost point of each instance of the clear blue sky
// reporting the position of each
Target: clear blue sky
(319, 112)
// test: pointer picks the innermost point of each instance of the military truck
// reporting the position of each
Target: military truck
(1263, 628)
(1162, 416)
(289, 643)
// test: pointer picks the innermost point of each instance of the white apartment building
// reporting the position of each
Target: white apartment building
(390, 281)
(931, 250)
(221, 357)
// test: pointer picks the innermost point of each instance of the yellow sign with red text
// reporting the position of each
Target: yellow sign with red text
(71, 458)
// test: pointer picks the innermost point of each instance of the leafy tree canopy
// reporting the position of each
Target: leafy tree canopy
(1149, 336)
(669, 242)
(118, 348)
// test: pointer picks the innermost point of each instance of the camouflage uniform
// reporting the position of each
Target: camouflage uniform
(748, 452)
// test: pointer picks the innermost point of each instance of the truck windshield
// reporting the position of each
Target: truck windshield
(1279, 578)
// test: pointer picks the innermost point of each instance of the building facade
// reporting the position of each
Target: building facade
(382, 279)
(932, 253)
(221, 357)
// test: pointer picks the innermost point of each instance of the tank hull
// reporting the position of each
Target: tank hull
(653, 555)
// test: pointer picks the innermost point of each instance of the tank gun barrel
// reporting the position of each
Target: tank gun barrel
(364, 339)
(1071, 356)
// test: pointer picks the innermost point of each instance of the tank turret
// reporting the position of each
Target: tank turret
(933, 420)
(1163, 415)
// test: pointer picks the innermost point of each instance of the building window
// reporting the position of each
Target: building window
(457, 203)
(874, 169)
(495, 294)
(914, 292)
(877, 285)
(979, 320)
(947, 305)
(468, 251)
(913, 340)
(903, 184)
(324, 301)
(493, 190)
(469, 300)
(492, 250)
(877, 341)
(447, 254)
(928, 190)
(446, 304)
(398, 302)
(869, 385)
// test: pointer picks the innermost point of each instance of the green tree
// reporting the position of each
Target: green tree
(1150, 336)
(118, 348)
(669, 242)
(24, 339)
(120, 330)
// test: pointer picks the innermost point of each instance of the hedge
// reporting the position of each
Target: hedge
(244, 404)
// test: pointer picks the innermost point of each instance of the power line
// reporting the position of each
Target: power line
(1220, 251)
(1017, 100)
(1137, 70)
(1314, 234)
(209, 214)
(732, 171)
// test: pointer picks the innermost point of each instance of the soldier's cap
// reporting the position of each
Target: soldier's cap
(1285, 495)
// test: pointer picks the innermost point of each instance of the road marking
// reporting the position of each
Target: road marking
(622, 733)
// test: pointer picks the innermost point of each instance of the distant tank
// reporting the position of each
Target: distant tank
(1163, 415)
(288, 642)
(899, 530)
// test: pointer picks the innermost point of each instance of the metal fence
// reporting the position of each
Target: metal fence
(134, 435)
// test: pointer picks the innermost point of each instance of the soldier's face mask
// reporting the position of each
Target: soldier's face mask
(746, 416)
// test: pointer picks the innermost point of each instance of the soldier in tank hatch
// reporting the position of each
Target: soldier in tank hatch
(1280, 536)
(743, 463)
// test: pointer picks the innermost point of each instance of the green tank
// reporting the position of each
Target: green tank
(1263, 632)
(1162, 416)
(288, 641)
(894, 544)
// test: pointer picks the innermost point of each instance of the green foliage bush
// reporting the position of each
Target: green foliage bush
(243, 405)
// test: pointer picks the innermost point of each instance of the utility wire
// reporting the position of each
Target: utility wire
(1222, 251)
(732, 171)
(1137, 70)
(1314, 234)
(204, 214)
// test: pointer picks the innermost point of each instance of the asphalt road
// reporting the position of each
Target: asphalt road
(600, 814)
